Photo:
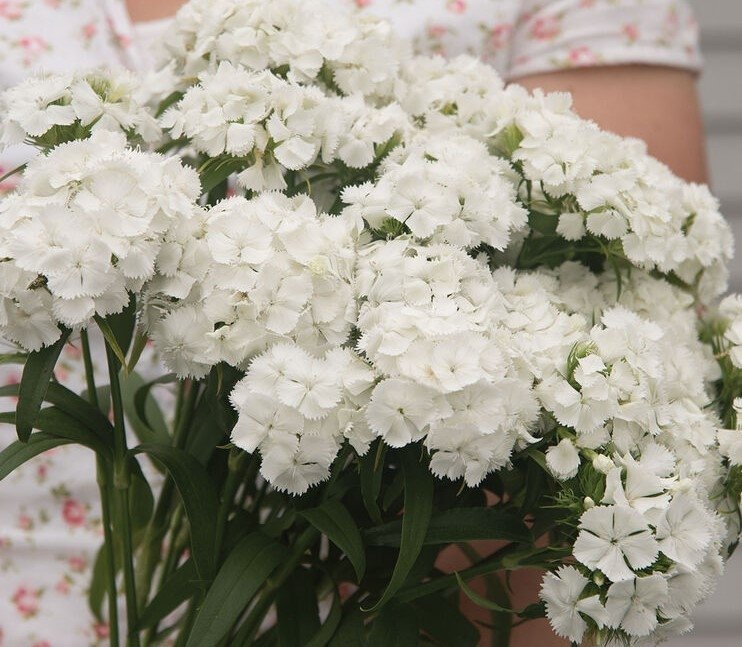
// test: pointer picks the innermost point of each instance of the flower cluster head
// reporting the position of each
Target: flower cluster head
(303, 40)
(257, 271)
(55, 108)
(82, 231)
(273, 124)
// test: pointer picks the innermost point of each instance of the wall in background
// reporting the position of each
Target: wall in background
(721, 90)
(719, 621)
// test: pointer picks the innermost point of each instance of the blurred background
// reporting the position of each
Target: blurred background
(721, 94)
(719, 621)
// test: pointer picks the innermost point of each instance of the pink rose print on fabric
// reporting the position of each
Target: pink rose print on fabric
(101, 630)
(25, 522)
(546, 28)
(32, 47)
(581, 56)
(500, 35)
(42, 643)
(73, 512)
(62, 586)
(631, 31)
(456, 6)
(77, 563)
(26, 601)
(10, 10)
(363, 3)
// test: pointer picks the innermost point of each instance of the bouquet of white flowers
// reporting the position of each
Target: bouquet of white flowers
(403, 306)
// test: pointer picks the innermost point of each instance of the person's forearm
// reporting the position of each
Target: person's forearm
(657, 104)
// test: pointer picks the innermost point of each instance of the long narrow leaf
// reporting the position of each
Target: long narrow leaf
(56, 423)
(17, 453)
(333, 520)
(297, 610)
(330, 626)
(241, 576)
(418, 507)
(37, 374)
(395, 626)
(200, 501)
(457, 525)
(178, 588)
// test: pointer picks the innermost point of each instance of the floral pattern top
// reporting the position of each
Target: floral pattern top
(49, 516)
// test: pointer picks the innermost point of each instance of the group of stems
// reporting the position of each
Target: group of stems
(113, 483)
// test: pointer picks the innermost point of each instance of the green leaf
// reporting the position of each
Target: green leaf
(98, 589)
(17, 453)
(141, 502)
(333, 520)
(445, 623)
(72, 404)
(179, 587)
(111, 340)
(199, 497)
(330, 626)
(56, 423)
(241, 576)
(218, 169)
(37, 374)
(537, 610)
(418, 507)
(140, 343)
(395, 626)
(350, 632)
(297, 610)
(371, 469)
(123, 324)
(142, 411)
(13, 358)
(457, 525)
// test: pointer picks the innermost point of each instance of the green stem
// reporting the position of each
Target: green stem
(102, 477)
(121, 482)
(158, 525)
(237, 464)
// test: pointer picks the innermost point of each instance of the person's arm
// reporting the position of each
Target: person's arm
(143, 10)
(657, 104)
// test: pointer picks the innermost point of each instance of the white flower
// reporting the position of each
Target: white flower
(399, 411)
(563, 459)
(632, 604)
(616, 540)
(684, 532)
(562, 592)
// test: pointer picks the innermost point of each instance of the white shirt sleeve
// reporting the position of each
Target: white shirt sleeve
(564, 34)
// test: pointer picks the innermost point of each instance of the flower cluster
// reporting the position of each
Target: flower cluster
(55, 108)
(274, 124)
(304, 40)
(256, 272)
(83, 231)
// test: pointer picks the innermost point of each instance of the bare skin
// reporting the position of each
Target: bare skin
(144, 10)
(657, 104)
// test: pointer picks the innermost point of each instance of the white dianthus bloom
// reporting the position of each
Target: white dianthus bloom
(684, 532)
(563, 459)
(399, 411)
(632, 604)
(566, 605)
(616, 540)
(88, 222)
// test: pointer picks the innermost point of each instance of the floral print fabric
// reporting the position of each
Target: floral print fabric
(49, 515)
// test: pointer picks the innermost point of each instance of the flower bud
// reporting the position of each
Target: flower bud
(598, 578)
(588, 503)
(603, 464)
